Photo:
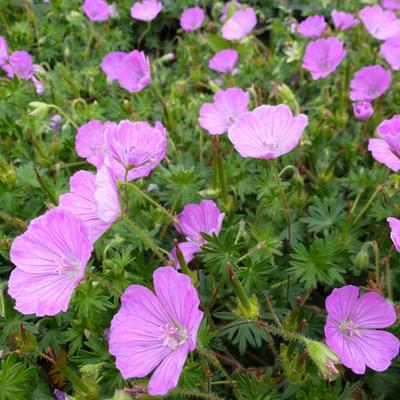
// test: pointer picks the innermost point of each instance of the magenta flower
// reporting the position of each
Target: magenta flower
(195, 219)
(394, 224)
(386, 149)
(131, 70)
(343, 20)
(188, 249)
(94, 200)
(351, 329)
(96, 10)
(156, 331)
(192, 19)
(134, 148)
(55, 124)
(380, 23)
(363, 110)
(390, 51)
(90, 142)
(323, 56)
(224, 61)
(219, 116)
(312, 27)
(146, 10)
(50, 259)
(369, 83)
(267, 132)
(230, 5)
(19, 64)
(239, 25)
(391, 4)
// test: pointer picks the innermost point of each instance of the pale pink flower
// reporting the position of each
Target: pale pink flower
(96, 10)
(343, 20)
(240, 24)
(146, 10)
(390, 51)
(192, 19)
(312, 27)
(224, 61)
(381, 24)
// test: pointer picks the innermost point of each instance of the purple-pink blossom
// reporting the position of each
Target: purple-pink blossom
(219, 116)
(390, 51)
(363, 110)
(232, 5)
(224, 61)
(353, 331)
(323, 56)
(312, 27)
(146, 10)
(90, 142)
(369, 83)
(188, 249)
(156, 331)
(267, 132)
(381, 24)
(343, 20)
(96, 10)
(386, 149)
(391, 4)
(195, 219)
(93, 199)
(394, 225)
(240, 24)
(134, 149)
(50, 259)
(131, 70)
(19, 64)
(192, 19)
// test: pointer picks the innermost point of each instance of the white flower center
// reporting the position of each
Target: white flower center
(348, 328)
(68, 266)
(174, 336)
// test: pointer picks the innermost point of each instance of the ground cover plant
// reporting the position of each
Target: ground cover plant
(199, 199)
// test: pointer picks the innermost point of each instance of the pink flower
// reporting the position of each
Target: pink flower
(192, 19)
(134, 148)
(131, 70)
(240, 24)
(267, 132)
(188, 249)
(352, 329)
(219, 116)
(312, 27)
(156, 331)
(343, 20)
(363, 110)
(94, 200)
(199, 218)
(369, 83)
(386, 149)
(224, 61)
(146, 10)
(394, 224)
(3, 51)
(232, 5)
(391, 4)
(90, 142)
(323, 56)
(380, 24)
(96, 10)
(50, 259)
(19, 64)
(390, 51)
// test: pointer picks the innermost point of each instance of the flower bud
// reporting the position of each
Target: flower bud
(324, 358)
(287, 96)
(363, 110)
(362, 258)
(39, 109)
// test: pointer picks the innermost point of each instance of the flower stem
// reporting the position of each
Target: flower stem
(145, 237)
(239, 289)
(152, 201)
(367, 205)
(76, 381)
(219, 167)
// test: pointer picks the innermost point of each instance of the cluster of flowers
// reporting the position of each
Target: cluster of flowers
(157, 331)
(323, 56)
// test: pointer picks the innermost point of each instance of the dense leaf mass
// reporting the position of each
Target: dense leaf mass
(295, 227)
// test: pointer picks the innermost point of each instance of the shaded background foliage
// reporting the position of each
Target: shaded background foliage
(339, 198)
